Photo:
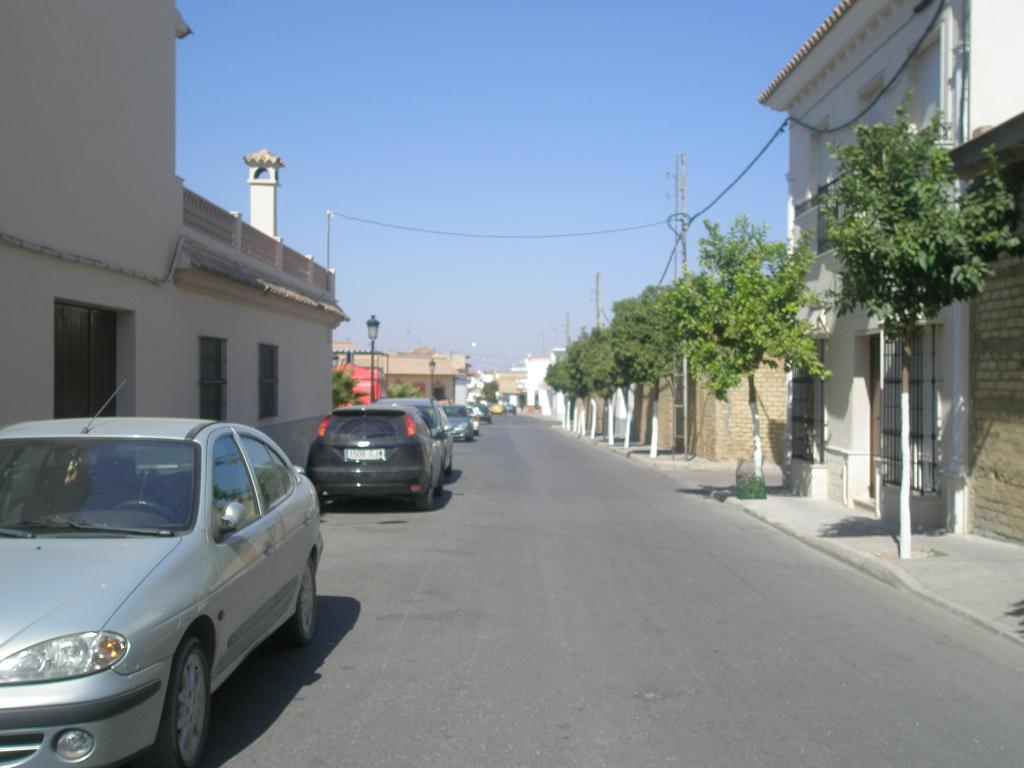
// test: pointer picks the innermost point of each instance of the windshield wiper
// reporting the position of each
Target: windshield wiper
(53, 523)
(99, 527)
(16, 533)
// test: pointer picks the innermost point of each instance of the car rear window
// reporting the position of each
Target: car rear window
(367, 425)
(456, 410)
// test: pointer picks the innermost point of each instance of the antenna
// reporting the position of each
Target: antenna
(87, 427)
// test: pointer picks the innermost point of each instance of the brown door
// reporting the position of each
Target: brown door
(875, 400)
(85, 360)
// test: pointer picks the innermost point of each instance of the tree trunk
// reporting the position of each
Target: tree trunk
(905, 361)
(653, 406)
(593, 419)
(609, 427)
(755, 419)
(627, 393)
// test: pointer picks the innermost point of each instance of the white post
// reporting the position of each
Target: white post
(756, 420)
(593, 418)
(654, 420)
(628, 394)
(905, 549)
(610, 425)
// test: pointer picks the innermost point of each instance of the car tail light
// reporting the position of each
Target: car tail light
(410, 426)
(322, 429)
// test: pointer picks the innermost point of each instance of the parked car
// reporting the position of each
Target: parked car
(436, 421)
(143, 559)
(377, 450)
(461, 422)
(511, 407)
(483, 411)
(497, 408)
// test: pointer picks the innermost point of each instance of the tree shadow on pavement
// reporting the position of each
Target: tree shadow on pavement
(717, 492)
(850, 527)
(267, 682)
(1018, 612)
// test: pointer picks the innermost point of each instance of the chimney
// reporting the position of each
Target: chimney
(263, 184)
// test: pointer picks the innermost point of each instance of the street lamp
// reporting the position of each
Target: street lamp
(372, 325)
(432, 365)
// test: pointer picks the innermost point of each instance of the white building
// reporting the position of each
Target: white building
(112, 271)
(956, 56)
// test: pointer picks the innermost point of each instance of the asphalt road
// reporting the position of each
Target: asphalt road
(563, 607)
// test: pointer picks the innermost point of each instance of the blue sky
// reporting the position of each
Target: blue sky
(478, 116)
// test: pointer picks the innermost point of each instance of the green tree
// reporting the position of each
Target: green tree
(741, 312)
(643, 346)
(908, 245)
(343, 386)
(490, 391)
(402, 389)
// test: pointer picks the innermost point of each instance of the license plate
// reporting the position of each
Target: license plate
(364, 454)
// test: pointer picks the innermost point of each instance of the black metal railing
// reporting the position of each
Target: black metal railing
(808, 438)
(923, 413)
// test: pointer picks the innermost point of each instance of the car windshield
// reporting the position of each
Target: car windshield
(456, 410)
(61, 484)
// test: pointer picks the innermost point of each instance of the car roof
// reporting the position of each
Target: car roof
(405, 401)
(342, 410)
(119, 426)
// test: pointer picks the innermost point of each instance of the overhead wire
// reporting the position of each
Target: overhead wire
(685, 220)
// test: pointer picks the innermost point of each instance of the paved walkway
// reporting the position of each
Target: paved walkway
(977, 578)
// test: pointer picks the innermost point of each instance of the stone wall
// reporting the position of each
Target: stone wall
(996, 471)
(722, 430)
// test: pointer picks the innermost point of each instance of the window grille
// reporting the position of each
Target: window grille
(213, 364)
(268, 381)
(923, 413)
(808, 415)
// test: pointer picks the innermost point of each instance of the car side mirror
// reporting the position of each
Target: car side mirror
(231, 518)
(299, 470)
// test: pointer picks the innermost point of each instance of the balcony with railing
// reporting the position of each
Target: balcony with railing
(225, 232)
(810, 215)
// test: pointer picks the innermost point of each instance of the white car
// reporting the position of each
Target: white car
(142, 560)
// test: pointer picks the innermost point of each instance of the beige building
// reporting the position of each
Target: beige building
(113, 273)
(413, 368)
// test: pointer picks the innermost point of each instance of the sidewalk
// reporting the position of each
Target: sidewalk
(976, 578)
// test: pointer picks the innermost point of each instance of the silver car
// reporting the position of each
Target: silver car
(141, 561)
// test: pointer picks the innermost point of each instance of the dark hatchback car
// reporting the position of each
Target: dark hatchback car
(437, 423)
(376, 450)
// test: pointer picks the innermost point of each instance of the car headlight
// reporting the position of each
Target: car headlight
(64, 657)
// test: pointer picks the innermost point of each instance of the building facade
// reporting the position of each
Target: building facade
(116, 277)
(867, 58)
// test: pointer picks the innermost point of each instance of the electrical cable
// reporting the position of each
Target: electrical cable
(885, 88)
(498, 236)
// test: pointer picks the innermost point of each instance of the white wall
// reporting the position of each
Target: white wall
(997, 59)
(88, 103)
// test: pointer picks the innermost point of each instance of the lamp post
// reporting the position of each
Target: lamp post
(432, 365)
(371, 330)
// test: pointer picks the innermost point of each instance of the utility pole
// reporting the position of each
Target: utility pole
(597, 300)
(330, 215)
(568, 335)
(684, 229)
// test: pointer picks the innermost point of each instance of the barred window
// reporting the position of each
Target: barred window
(808, 415)
(924, 410)
(268, 381)
(213, 389)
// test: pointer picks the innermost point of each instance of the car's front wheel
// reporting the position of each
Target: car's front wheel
(185, 723)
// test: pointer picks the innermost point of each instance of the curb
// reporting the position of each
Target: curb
(863, 563)
(883, 572)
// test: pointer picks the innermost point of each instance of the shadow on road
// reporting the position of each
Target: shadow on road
(376, 506)
(1018, 612)
(265, 684)
(857, 526)
(717, 492)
